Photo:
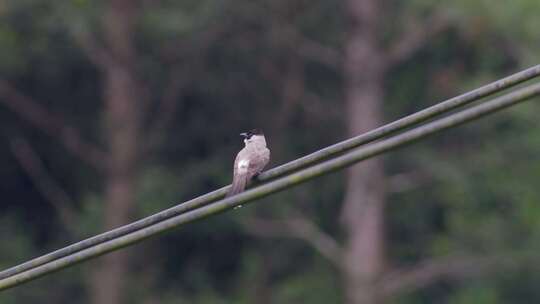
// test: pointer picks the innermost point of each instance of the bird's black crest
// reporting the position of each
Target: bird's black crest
(252, 132)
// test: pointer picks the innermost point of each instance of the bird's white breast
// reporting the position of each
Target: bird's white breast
(243, 164)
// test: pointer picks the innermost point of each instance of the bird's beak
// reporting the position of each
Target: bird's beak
(243, 134)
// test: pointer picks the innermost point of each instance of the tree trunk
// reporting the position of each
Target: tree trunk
(122, 131)
(362, 213)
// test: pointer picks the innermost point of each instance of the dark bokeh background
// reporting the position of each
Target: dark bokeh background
(113, 110)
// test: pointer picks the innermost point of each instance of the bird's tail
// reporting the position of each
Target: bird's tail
(238, 185)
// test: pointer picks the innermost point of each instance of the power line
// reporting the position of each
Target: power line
(313, 158)
(340, 162)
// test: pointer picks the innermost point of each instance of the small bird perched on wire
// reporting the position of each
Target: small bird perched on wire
(250, 161)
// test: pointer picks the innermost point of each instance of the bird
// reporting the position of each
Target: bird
(250, 161)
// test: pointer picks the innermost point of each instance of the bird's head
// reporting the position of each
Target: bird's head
(253, 136)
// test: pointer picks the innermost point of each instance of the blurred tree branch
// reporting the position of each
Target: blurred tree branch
(457, 266)
(318, 106)
(179, 81)
(297, 227)
(416, 36)
(187, 63)
(314, 50)
(305, 46)
(407, 181)
(31, 163)
(291, 82)
(52, 124)
(284, 32)
(97, 54)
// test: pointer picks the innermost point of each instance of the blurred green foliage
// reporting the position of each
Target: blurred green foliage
(473, 189)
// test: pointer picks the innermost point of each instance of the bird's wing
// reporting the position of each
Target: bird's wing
(241, 173)
(259, 161)
(248, 163)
